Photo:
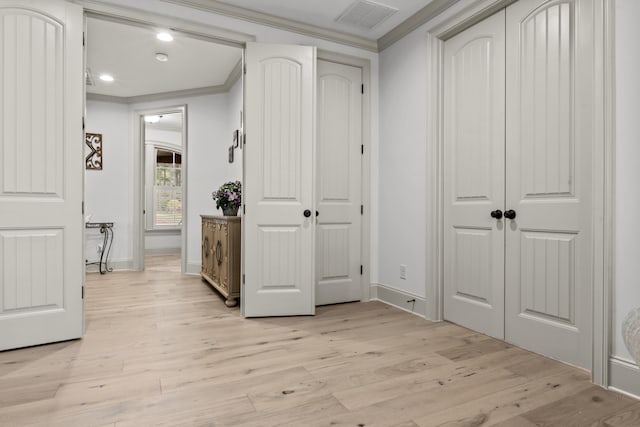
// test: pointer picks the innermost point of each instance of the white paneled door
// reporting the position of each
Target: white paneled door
(519, 219)
(278, 233)
(338, 183)
(474, 177)
(549, 128)
(41, 170)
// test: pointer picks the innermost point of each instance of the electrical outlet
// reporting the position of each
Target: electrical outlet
(99, 248)
(403, 271)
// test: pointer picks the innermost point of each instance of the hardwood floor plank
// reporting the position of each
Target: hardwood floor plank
(581, 409)
(162, 349)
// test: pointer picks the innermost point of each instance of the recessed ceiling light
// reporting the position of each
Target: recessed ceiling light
(165, 37)
(106, 77)
(162, 57)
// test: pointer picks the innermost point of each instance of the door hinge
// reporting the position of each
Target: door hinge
(361, 269)
(362, 149)
(82, 122)
(361, 209)
(83, 292)
(244, 209)
(244, 139)
(362, 88)
(83, 207)
(243, 279)
(83, 39)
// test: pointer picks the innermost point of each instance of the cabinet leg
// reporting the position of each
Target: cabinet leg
(231, 302)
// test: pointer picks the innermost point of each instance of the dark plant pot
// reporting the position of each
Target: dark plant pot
(230, 211)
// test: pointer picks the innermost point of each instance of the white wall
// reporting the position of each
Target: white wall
(627, 245)
(402, 213)
(403, 192)
(108, 192)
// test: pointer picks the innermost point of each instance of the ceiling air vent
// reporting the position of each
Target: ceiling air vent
(88, 77)
(366, 14)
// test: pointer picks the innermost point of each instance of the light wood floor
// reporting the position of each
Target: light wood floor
(163, 349)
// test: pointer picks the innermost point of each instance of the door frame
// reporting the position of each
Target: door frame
(603, 171)
(130, 16)
(365, 178)
(139, 182)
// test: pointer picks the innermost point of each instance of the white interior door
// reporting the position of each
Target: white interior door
(279, 218)
(338, 183)
(41, 185)
(474, 177)
(550, 98)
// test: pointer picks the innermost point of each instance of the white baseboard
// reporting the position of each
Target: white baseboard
(126, 264)
(624, 377)
(400, 299)
(193, 268)
(163, 251)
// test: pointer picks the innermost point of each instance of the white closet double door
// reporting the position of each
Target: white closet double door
(518, 134)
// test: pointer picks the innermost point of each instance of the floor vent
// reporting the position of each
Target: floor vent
(366, 14)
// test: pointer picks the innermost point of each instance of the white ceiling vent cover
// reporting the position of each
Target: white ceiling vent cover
(366, 14)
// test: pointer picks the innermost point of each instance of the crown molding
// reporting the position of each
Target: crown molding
(269, 20)
(209, 90)
(421, 17)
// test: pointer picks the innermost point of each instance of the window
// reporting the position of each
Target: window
(167, 189)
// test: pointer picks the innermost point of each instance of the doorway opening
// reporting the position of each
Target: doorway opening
(141, 79)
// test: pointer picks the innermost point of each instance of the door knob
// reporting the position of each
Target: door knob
(497, 214)
(510, 214)
(307, 213)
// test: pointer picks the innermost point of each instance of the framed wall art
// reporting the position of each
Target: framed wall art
(93, 161)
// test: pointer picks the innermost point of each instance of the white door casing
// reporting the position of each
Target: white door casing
(41, 185)
(550, 138)
(474, 177)
(338, 183)
(278, 240)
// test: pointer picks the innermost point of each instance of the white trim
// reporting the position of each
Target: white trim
(365, 66)
(624, 377)
(603, 172)
(403, 300)
(139, 179)
(424, 15)
(233, 77)
(273, 21)
(119, 265)
(193, 268)
(162, 251)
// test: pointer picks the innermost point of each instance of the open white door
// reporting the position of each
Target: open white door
(279, 216)
(41, 146)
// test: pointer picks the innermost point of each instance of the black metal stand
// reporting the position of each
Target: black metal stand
(106, 228)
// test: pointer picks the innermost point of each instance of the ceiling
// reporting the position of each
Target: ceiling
(323, 13)
(128, 54)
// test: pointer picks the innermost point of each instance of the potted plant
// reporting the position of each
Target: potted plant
(228, 197)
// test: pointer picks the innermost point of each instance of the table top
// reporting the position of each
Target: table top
(99, 224)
